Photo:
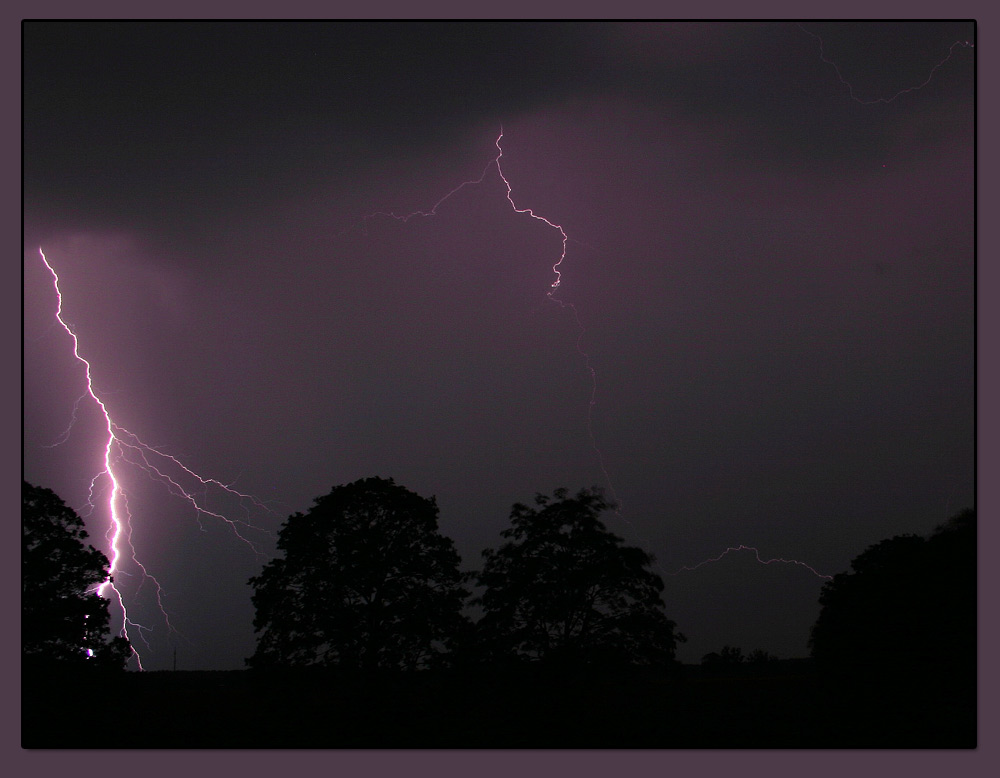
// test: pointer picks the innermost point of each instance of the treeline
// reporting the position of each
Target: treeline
(365, 589)
(366, 581)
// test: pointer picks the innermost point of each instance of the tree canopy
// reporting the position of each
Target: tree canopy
(908, 607)
(63, 620)
(563, 589)
(366, 581)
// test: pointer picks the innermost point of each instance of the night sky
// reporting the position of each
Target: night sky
(770, 269)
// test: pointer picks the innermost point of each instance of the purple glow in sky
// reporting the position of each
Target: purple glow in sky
(764, 335)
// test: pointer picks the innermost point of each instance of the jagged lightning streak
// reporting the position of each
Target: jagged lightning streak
(581, 331)
(758, 557)
(148, 458)
(117, 519)
(493, 163)
(510, 199)
(850, 87)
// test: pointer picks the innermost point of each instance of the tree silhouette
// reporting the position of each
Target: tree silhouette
(908, 609)
(366, 582)
(64, 623)
(564, 590)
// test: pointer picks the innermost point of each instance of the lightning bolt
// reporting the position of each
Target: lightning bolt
(850, 87)
(581, 332)
(122, 447)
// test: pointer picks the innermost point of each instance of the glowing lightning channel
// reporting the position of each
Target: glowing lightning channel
(117, 521)
(495, 162)
(121, 445)
(850, 87)
(533, 215)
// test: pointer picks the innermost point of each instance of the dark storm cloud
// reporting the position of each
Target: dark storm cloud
(127, 122)
(132, 121)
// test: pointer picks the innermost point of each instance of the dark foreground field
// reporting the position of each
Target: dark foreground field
(783, 705)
